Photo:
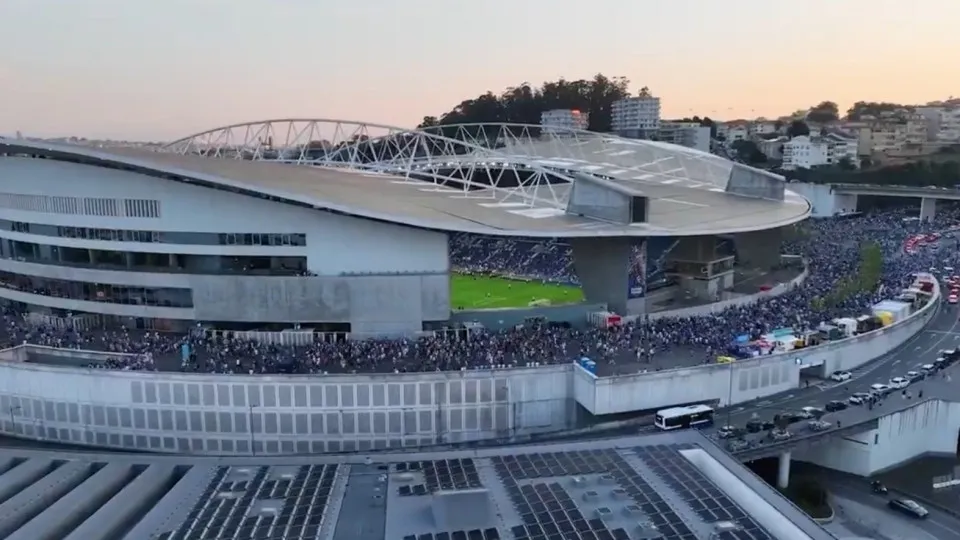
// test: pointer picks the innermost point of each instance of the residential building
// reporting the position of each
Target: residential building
(802, 152)
(773, 147)
(763, 127)
(893, 134)
(949, 129)
(734, 130)
(563, 120)
(637, 117)
(689, 134)
(840, 148)
(933, 116)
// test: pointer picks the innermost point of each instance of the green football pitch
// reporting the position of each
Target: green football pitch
(486, 292)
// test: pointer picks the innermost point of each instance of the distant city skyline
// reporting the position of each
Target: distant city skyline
(156, 71)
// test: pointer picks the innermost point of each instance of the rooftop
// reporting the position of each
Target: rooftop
(689, 192)
(669, 486)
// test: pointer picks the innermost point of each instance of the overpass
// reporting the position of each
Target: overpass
(928, 195)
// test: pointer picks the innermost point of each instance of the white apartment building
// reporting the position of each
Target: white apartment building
(763, 128)
(804, 153)
(949, 128)
(840, 148)
(563, 120)
(636, 117)
(689, 134)
(734, 131)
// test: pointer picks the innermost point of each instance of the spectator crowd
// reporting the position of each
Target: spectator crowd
(831, 246)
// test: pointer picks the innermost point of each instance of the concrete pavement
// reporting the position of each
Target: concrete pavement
(860, 512)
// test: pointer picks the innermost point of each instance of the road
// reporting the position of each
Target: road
(860, 512)
(943, 332)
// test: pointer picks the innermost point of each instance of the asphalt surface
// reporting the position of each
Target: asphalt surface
(943, 332)
(860, 512)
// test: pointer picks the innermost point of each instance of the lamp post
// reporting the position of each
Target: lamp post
(730, 394)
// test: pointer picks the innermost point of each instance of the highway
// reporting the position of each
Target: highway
(943, 332)
(860, 512)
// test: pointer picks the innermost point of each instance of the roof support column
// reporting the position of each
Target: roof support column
(759, 249)
(603, 266)
(928, 209)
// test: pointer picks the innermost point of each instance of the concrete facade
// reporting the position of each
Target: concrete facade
(930, 427)
(744, 380)
(759, 249)
(237, 415)
(603, 267)
(213, 414)
(928, 209)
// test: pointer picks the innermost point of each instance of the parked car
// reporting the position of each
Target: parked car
(928, 368)
(833, 406)
(914, 376)
(859, 398)
(899, 382)
(908, 507)
(813, 412)
(780, 434)
(877, 487)
(879, 389)
(791, 417)
(735, 445)
(840, 376)
(729, 432)
(819, 425)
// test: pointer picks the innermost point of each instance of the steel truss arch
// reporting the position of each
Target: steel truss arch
(458, 166)
(633, 161)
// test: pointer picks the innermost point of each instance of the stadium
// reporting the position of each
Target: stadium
(358, 229)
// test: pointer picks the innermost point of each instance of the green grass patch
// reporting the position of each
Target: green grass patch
(488, 292)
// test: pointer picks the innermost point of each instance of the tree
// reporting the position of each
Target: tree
(429, 121)
(748, 152)
(824, 113)
(870, 108)
(524, 103)
(798, 128)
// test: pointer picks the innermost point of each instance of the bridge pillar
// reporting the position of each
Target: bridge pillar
(928, 209)
(759, 249)
(603, 266)
(783, 470)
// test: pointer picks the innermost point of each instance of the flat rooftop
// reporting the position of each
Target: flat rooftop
(686, 191)
(675, 486)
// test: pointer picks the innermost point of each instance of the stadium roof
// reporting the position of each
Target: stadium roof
(675, 486)
(689, 192)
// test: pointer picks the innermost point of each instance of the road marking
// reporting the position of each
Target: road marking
(918, 348)
(895, 362)
(790, 396)
(764, 403)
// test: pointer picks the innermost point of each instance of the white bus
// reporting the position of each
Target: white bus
(684, 417)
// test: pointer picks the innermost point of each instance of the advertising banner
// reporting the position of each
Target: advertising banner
(637, 276)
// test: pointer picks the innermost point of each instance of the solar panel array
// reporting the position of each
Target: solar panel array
(228, 508)
(546, 508)
(474, 534)
(661, 515)
(440, 475)
(696, 490)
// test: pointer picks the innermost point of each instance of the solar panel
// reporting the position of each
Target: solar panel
(243, 502)
(698, 492)
(441, 475)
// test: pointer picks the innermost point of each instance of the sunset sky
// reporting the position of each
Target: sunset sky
(156, 70)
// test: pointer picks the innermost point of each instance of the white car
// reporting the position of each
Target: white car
(840, 376)
(813, 412)
(879, 389)
(859, 398)
(899, 382)
(926, 368)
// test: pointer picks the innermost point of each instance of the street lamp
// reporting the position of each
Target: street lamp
(730, 394)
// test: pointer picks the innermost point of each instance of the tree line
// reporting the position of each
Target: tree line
(523, 104)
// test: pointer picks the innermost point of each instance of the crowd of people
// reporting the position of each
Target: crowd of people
(832, 247)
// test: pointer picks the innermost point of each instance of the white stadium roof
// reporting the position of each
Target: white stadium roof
(403, 176)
